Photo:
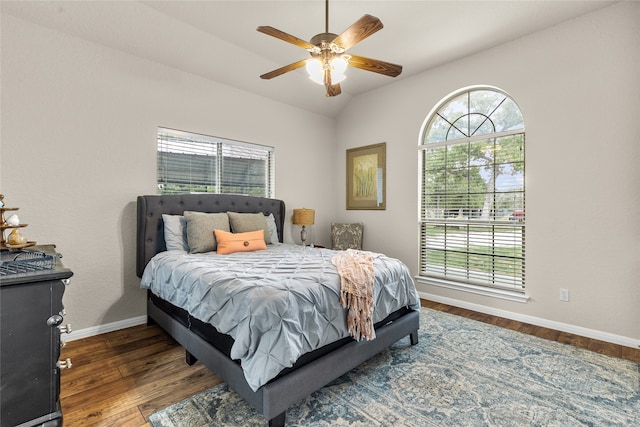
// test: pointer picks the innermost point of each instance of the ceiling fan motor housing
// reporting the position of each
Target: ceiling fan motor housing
(323, 38)
(325, 41)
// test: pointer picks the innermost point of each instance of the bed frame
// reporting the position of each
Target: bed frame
(273, 398)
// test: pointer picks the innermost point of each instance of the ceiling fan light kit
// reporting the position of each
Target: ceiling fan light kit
(336, 67)
(328, 62)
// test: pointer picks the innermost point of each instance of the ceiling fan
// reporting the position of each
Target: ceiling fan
(328, 60)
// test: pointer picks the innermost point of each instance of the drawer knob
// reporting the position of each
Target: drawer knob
(64, 364)
(65, 329)
(54, 320)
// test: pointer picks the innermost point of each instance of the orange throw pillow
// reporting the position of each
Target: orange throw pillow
(229, 243)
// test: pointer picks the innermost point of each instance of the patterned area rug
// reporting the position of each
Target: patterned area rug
(462, 373)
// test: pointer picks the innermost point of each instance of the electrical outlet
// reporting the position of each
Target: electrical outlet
(564, 295)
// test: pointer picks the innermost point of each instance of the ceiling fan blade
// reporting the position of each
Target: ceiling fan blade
(274, 32)
(333, 90)
(358, 31)
(380, 67)
(285, 69)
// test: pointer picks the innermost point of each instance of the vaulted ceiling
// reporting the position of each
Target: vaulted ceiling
(217, 40)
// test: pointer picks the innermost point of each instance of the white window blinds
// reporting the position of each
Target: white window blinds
(472, 191)
(193, 163)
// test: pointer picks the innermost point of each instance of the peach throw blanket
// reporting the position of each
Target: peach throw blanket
(356, 291)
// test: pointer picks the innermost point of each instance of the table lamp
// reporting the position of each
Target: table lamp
(303, 217)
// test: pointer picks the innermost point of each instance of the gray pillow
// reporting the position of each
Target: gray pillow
(200, 226)
(243, 222)
(175, 232)
(273, 229)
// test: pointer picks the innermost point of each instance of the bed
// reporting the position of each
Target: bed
(318, 360)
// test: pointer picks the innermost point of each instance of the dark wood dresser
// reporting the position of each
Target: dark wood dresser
(31, 322)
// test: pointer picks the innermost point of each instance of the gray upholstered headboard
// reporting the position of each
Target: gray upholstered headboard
(150, 235)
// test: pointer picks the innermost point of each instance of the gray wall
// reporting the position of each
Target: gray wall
(79, 125)
(578, 86)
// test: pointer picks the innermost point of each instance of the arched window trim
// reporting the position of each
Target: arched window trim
(455, 283)
(444, 101)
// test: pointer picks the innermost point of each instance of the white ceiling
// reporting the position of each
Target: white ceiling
(218, 40)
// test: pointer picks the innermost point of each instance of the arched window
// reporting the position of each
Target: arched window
(472, 212)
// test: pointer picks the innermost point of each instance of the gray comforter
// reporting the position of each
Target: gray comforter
(277, 304)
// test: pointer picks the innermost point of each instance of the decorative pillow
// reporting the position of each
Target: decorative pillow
(273, 229)
(175, 232)
(229, 243)
(346, 236)
(200, 226)
(243, 222)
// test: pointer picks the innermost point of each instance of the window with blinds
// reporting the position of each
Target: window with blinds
(472, 216)
(195, 163)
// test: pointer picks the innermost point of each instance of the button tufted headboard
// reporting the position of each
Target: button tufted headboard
(150, 235)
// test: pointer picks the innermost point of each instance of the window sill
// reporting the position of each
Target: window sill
(474, 289)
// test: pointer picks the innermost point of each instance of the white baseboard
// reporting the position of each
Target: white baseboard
(103, 329)
(558, 326)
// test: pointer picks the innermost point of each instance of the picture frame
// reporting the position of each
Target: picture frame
(366, 177)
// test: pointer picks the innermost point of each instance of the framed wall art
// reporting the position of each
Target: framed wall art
(366, 177)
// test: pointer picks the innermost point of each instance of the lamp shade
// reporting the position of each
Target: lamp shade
(304, 216)
(315, 68)
(338, 68)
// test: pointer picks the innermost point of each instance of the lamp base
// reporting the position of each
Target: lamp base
(303, 235)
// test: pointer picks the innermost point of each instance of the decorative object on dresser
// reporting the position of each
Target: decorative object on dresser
(32, 283)
(303, 217)
(366, 177)
(16, 239)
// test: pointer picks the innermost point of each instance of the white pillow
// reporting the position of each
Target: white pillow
(273, 229)
(175, 232)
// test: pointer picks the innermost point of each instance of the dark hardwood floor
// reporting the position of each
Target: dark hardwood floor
(120, 378)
